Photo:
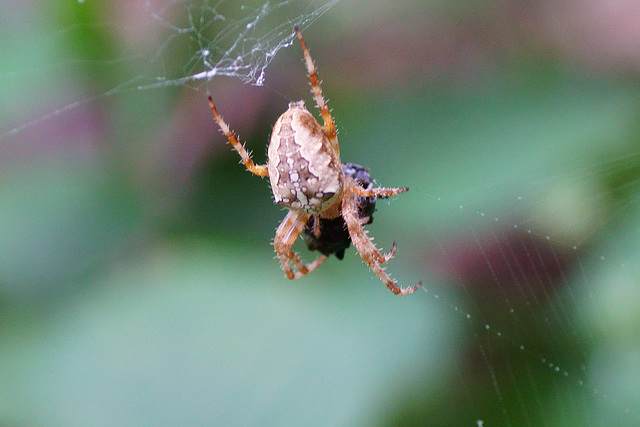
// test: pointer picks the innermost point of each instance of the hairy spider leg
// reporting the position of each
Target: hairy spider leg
(260, 170)
(316, 225)
(329, 123)
(286, 235)
(365, 246)
(379, 192)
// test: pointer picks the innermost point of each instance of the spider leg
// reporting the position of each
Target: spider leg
(392, 252)
(379, 192)
(329, 124)
(286, 235)
(316, 225)
(260, 170)
(379, 257)
(365, 246)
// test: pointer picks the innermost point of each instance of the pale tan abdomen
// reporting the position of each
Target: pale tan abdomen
(305, 172)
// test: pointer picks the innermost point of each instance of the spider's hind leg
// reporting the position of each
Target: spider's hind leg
(365, 246)
(286, 235)
(380, 193)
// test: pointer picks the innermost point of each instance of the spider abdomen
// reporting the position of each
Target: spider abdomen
(304, 169)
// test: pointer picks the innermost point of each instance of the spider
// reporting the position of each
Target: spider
(321, 193)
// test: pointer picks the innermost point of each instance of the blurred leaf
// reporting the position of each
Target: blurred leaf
(190, 326)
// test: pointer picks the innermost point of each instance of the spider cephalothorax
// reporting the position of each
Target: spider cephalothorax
(322, 195)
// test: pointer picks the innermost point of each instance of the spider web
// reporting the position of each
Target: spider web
(551, 282)
(223, 38)
(530, 286)
(246, 42)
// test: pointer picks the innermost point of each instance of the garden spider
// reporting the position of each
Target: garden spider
(309, 180)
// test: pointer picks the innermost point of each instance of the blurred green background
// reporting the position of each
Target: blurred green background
(138, 285)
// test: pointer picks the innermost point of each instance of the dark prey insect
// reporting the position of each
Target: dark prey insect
(321, 194)
(334, 237)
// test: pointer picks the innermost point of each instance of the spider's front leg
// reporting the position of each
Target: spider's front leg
(260, 170)
(286, 235)
(365, 246)
(316, 90)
